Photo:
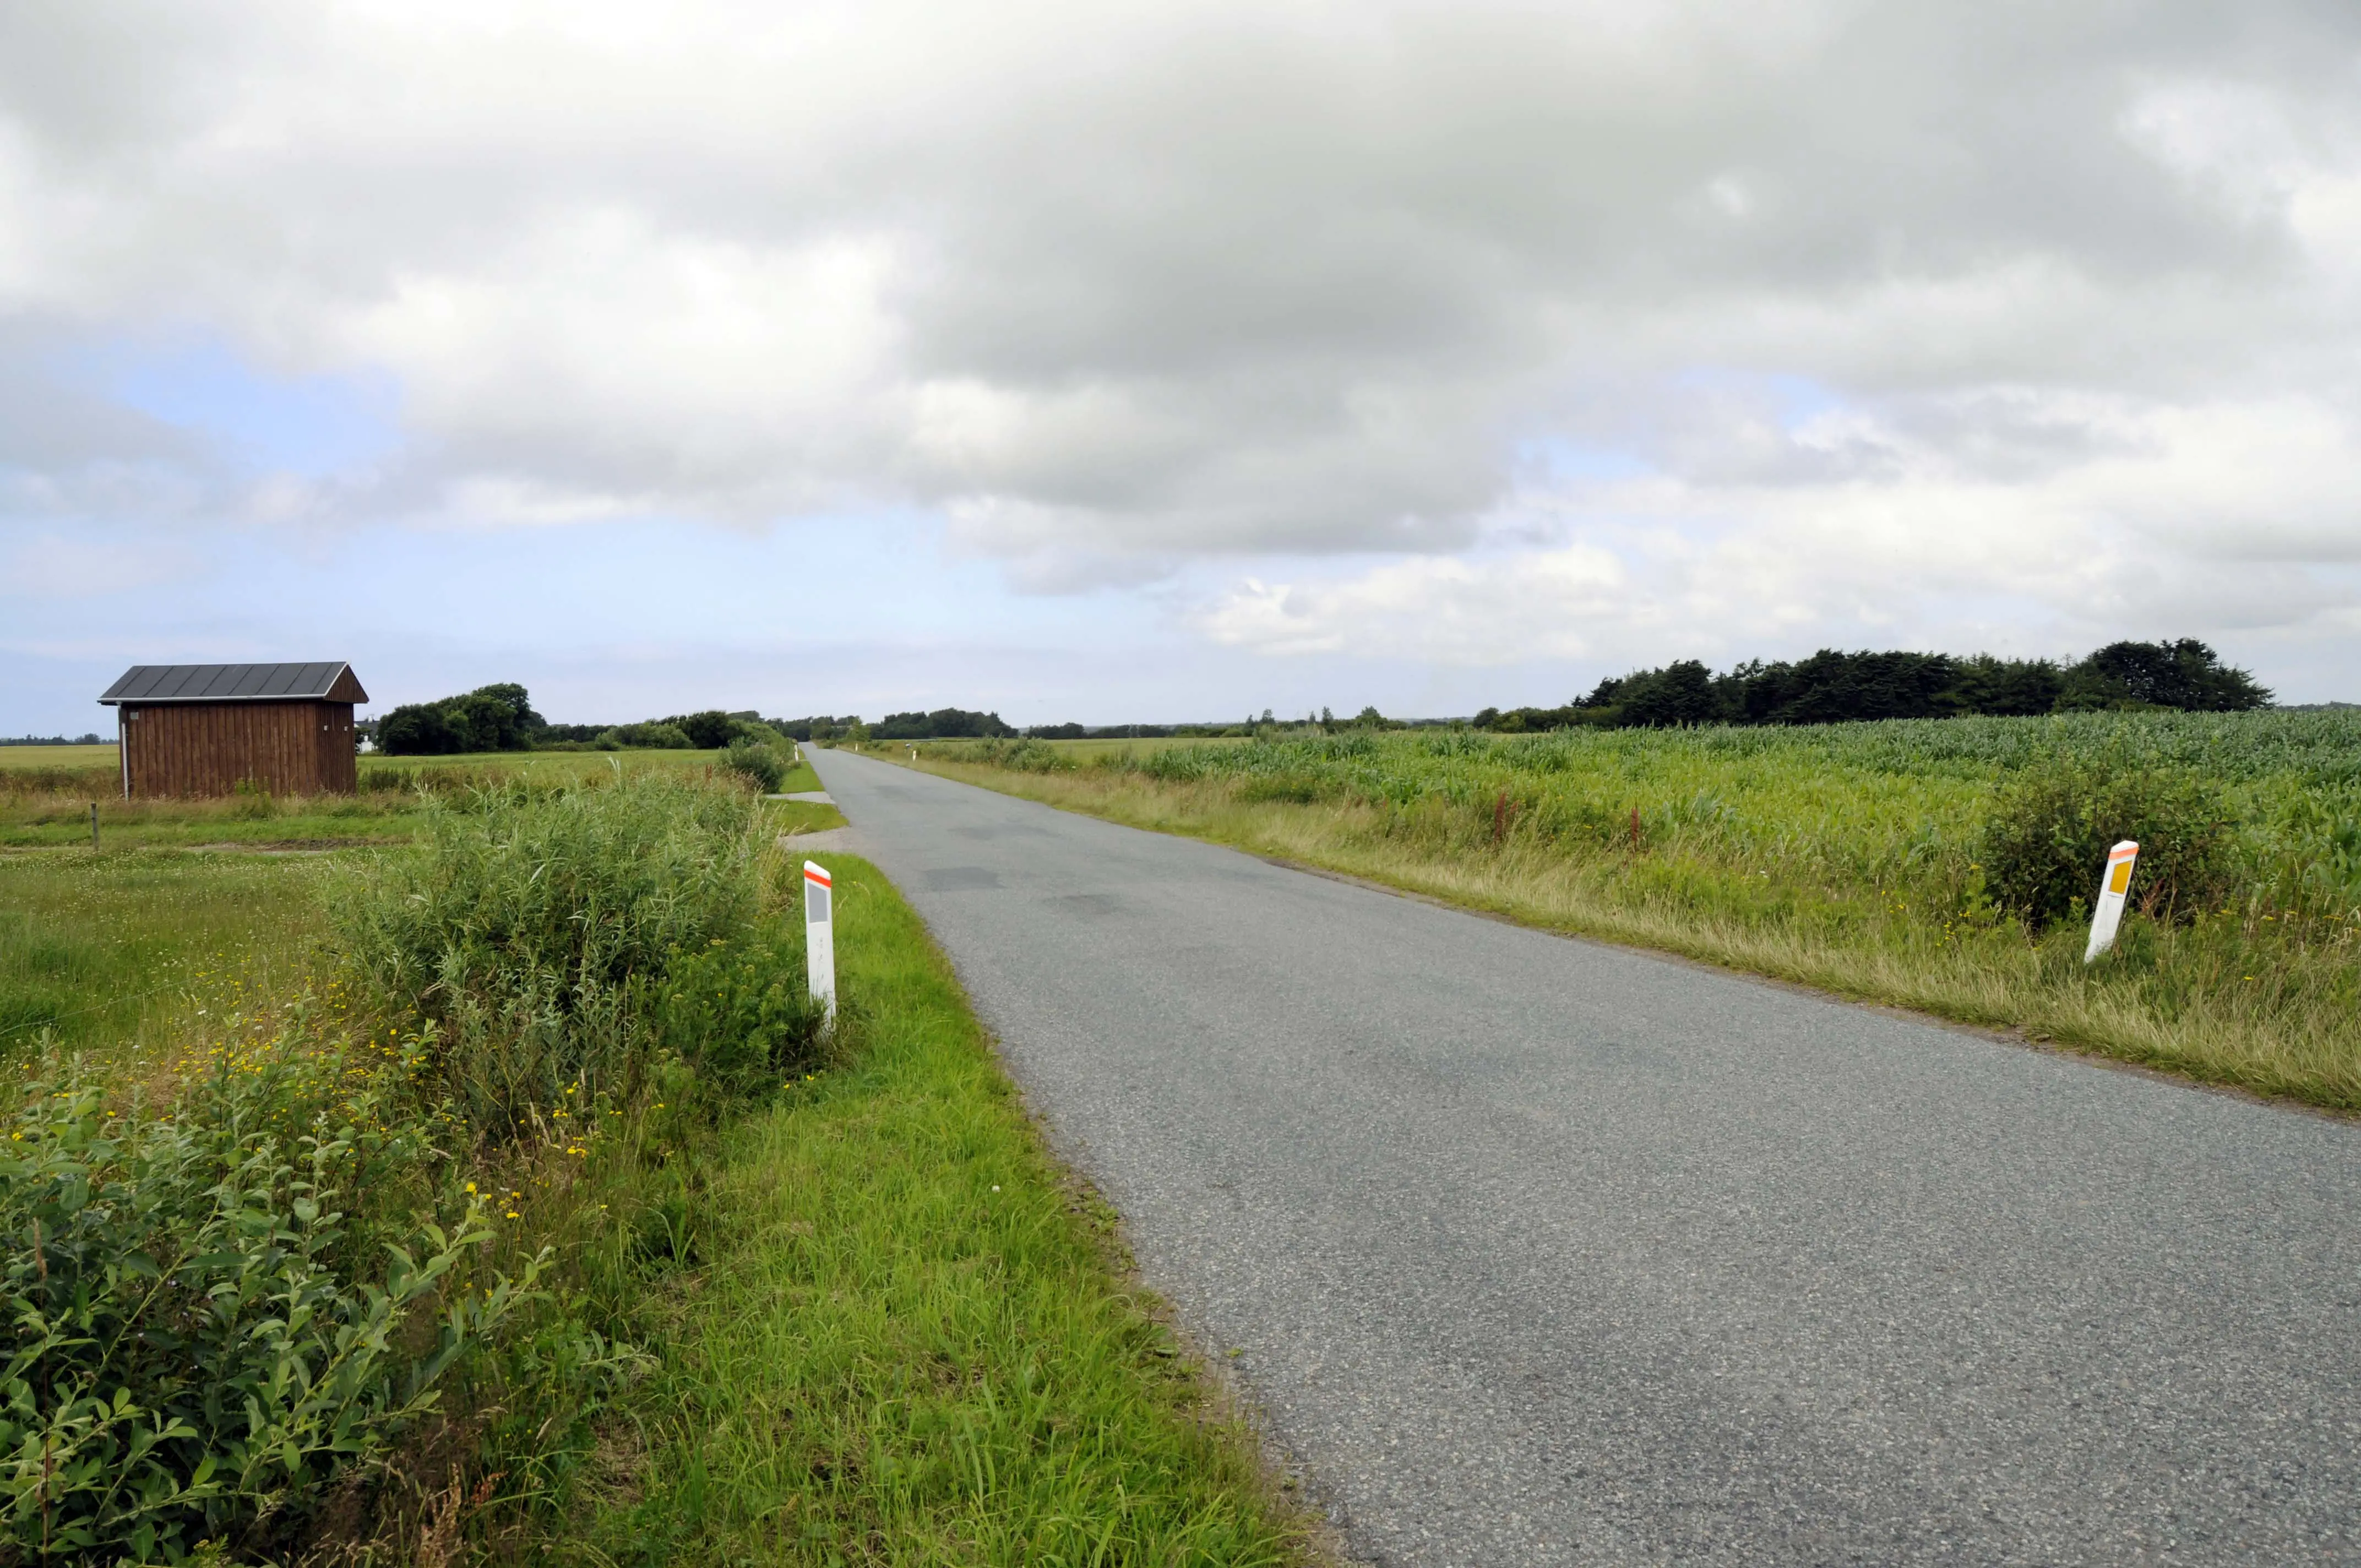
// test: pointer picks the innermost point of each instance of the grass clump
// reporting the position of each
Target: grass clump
(758, 764)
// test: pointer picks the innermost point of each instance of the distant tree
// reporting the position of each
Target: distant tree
(942, 724)
(497, 718)
(1606, 694)
(818, 727)
(652, 736)
(1680, 693)
(2185, 675)
(419, 730)
(1832, 686)
(2009, 687)
(708, 732)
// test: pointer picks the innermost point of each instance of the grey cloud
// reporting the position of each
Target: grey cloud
(1155, 285)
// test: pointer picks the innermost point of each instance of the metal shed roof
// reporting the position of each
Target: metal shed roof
(237, 683)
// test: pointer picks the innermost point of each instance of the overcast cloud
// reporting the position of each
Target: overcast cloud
(1465, 335)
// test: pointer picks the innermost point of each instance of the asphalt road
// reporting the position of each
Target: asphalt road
(1539, 1251)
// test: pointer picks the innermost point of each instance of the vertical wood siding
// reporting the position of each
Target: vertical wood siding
(286, 748)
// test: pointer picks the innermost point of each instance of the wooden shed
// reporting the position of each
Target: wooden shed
(207, 728)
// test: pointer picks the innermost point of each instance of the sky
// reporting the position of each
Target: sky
(1114, 362)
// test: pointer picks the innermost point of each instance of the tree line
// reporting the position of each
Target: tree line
(1829, 687)
(500, 718)
(1835, 687)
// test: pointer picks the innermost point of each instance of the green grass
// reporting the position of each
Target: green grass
(791, 817)
(908, 1340)
(864, 1352)
(45, 805)
(799, 779)
(1841, 856)
(116, 954)
(80, 759)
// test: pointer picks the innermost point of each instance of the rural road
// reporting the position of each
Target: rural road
(1538, 1250)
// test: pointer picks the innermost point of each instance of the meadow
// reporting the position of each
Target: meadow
(678, 1278)
(1857, 859)
(47, 793)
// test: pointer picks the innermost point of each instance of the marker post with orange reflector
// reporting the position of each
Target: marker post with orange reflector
(819, 936)
(2112, 890)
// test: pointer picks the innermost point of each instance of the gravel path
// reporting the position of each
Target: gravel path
(1537, 1251)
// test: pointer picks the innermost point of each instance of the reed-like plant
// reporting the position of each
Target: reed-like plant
(535, 931)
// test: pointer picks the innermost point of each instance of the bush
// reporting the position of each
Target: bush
(706, 731)
(650, 737)
(2045, 843)
(738, 1011)
(539, 938)
(200, 1335)
(534, 927)
(758, 764)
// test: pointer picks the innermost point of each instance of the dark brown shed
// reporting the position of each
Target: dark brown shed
(207, 728)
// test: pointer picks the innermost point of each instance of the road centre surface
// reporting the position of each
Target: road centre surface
(1542, 1251)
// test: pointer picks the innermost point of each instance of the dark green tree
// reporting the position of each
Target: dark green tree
(1680, 693)
(2185, 675)
(497, 717)
(708, 732)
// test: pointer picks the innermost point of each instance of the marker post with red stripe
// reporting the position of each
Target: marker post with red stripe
(819, 936)
(2113, 889)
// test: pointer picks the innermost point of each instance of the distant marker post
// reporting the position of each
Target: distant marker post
(819, 936)
(2112, 890)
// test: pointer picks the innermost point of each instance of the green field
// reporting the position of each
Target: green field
(76, 759)
(1844, 857)
(45, 798)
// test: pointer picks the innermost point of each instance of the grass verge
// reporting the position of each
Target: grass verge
(908, 1338)
(681, 1289)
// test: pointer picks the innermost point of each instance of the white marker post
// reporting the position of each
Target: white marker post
(2112, 892)
(819, 936)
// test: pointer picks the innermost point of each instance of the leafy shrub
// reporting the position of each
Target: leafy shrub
(758, 764)
(531, 931)
(738, 1009)
(649, 737)
(2046, 840)
(200, 1335)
